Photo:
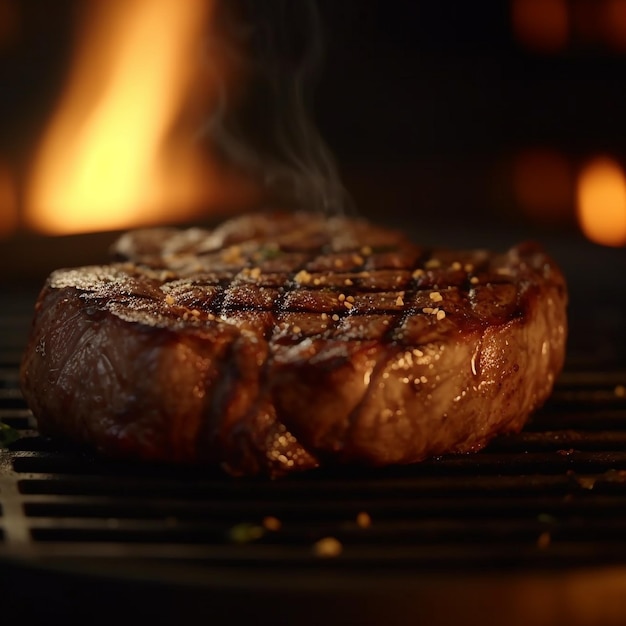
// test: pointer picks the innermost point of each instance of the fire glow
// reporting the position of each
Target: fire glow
(119, 151)
(546, 190)
(8, 201)
(542, 25)
(543, 181)
(551, 26)
(602, 202)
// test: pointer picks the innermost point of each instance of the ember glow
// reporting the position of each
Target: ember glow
(120, 150)
(543, 182)
(541, 25)
(602, 202)
(8, 201)
(615, 23)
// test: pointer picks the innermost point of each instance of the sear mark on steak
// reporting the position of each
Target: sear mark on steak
(279, 342)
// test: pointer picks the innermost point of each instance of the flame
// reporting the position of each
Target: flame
(541, 25)
(116, 153)
(602, 202)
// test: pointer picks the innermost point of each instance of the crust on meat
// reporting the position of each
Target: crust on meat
(277, 343)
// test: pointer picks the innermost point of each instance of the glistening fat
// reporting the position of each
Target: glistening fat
(280, 342)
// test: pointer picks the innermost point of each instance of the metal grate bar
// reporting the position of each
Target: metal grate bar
(552, 496)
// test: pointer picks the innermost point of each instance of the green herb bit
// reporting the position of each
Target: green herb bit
(269, 252)
(7, 435)
(245, 532)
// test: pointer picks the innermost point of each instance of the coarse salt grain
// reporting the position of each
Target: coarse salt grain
(232, 255)
(303, 277)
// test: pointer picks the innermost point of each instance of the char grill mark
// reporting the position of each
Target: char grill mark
(400, 294)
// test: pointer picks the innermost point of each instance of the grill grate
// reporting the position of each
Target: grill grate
(548, 502)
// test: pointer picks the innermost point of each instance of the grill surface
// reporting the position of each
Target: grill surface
(532, 530)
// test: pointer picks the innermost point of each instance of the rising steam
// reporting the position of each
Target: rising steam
(262, 122)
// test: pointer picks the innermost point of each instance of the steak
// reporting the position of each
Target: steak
(280, 342)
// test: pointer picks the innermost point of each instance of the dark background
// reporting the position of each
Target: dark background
(424, 104)
(442, 97)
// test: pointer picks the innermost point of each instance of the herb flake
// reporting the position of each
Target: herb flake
(267, 253)
(7, 435)
(246, 533)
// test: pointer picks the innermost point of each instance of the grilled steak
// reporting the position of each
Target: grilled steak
(280, 342)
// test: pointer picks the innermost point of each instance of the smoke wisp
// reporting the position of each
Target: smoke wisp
(262, 123)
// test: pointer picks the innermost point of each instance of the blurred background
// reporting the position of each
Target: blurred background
(465, 123)
(505, 111)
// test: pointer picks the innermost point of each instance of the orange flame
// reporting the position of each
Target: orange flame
(602, 202)
(116, 154)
